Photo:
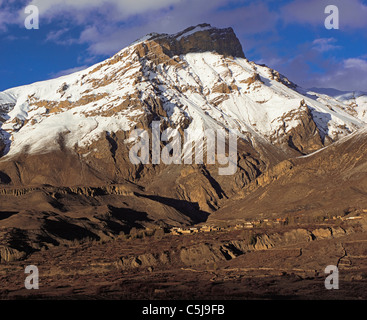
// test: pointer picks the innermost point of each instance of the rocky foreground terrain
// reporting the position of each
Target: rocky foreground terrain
(285, 262)
(98, 226)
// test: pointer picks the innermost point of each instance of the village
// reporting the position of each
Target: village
(266, 222)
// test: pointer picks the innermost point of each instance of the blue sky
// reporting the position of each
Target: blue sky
(287, 35)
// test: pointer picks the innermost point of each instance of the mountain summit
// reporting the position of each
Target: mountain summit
(200, 38)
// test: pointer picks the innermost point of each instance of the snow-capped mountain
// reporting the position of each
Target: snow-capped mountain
(196, 79)
(204, 86)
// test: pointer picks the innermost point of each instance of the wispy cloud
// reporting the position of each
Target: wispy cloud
(325, 44)
(349, 74)
(61, 37)
(115, 9)
(8, 14)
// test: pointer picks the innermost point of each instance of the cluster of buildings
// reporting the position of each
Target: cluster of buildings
(257, 223)
(248, 225)
(211, 228)
(179, 230)
(347, 218)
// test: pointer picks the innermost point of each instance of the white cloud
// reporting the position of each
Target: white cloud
(325, 44)
(355, 63)
(55, 35)
(348, 75)
(7, 16)
(61, 37)
(121, 8)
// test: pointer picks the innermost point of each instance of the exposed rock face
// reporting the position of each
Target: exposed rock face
(305, 137)
(201, 38)
(8, 254)
(329, 182)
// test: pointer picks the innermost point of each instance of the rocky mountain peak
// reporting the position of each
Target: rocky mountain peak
(200, 38)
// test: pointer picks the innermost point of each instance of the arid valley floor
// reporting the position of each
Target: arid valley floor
(284, 262)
